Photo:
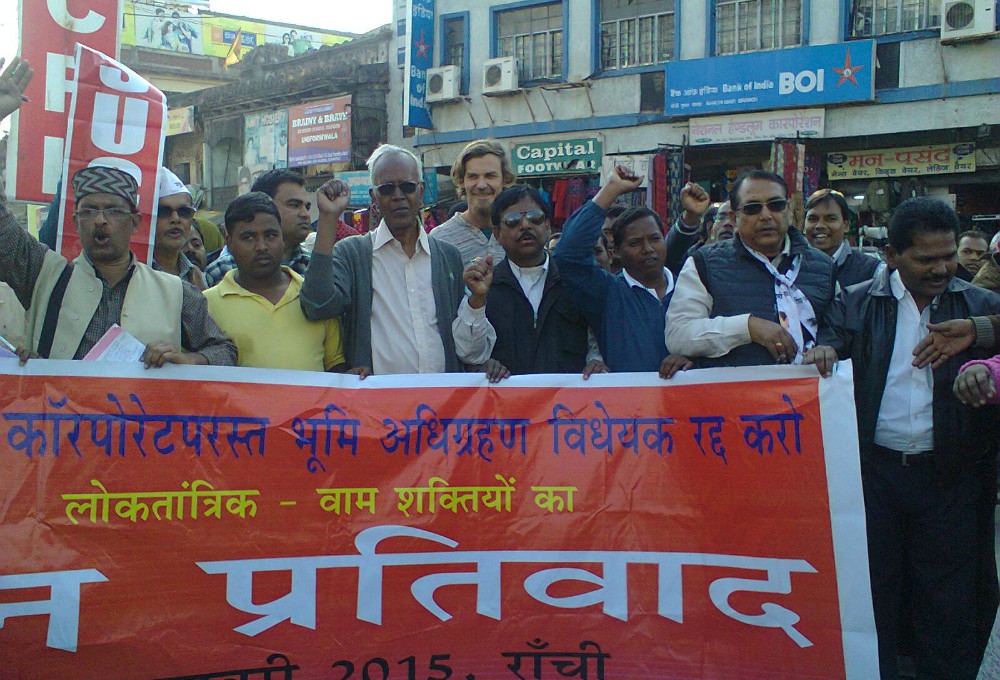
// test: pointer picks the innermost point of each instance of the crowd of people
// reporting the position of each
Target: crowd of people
(490, 290)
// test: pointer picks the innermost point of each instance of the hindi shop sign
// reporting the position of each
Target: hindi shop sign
(441, 523)
(798, 77)
(757, 127)
(49, 34)
(360, 182)
(571, 156)
(419, 57)
(320, 132)
(909, 162)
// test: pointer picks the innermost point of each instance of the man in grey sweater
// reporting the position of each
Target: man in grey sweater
(397, 291)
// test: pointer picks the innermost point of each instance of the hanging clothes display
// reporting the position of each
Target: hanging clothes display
(788, 160)
(665, 183)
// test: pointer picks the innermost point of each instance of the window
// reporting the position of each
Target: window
(535, 36)
(454, 42)
(636, 32)
(754, 25)
(881, 17)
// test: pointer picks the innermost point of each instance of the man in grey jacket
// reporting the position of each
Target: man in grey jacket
(397, 291)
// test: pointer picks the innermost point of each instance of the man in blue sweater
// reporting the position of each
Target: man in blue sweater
(626, 311)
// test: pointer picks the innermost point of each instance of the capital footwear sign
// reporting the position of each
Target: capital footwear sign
(568, 156)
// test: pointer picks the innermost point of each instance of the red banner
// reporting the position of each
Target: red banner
(262, 524)
(116, 119)
(50, 31)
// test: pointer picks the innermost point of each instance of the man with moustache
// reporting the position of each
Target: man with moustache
(479, 173)
(397, 290)
(174, 215)
(827, 220)
(924, 455)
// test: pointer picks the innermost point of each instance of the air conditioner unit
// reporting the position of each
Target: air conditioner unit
(500, 75)
(443, 83)
(962, 19)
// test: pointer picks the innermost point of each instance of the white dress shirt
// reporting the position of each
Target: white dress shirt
(906, 415)
(405, 336)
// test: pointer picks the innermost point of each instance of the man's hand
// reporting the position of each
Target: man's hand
(594, 366)
(478, 277)
(495, 371)
(361, 371)
(673, 363)
(332, 198)
(25, 353)
(695, 201)
(824, 357)
(945, 340)
(974, 385)
(159, 353)
(619, 181)
(13, 82)
(774, 338)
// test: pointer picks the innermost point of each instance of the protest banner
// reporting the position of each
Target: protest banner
(301, 525)
(49, 34)
(116, 119)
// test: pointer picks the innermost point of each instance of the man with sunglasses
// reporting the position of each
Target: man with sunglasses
(758, 298)
(396, 290)
(174, 216)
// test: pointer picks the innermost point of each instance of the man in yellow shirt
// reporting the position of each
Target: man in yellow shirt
(257, 303)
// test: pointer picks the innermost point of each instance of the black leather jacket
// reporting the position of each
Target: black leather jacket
(861, 325)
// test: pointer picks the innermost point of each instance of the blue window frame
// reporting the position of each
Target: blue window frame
(534, 31)
(454, 41)
(635, 33)
(739, 26)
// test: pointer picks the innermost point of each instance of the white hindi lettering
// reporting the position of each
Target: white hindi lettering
(62, 607)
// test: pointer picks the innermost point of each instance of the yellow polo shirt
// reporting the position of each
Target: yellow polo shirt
(274, 336)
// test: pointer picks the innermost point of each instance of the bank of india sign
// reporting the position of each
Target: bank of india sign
(563, 157)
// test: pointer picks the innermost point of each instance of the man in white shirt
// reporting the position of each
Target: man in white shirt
(928, 462)
(397, 290)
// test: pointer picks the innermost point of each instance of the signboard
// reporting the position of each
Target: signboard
(116, 119)
(49, 34)
(757, 127)
(935, 159)
(569, 156)
(359, 182)
(155, 26)
(265, 141)
(320, 132)
(185, 522)
(798, 77)
(180, 121)
(637, 165)
(419, 58)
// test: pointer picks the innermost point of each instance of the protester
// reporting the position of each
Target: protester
(686, 230)
(195, 248)
(973, 248)
(827, 221)
(988, 275)
(537, 328)
(479, 173)
(174, 215)
(924, 455)
(13, 327)
(257, 304)
(758, 298)
(626, 311)
(602, 252)
(614, 212)
(397, 289)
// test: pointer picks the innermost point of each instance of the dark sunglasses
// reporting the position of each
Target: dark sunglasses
(389, 188)
(513, 219)
(776, 206)
(185, 212)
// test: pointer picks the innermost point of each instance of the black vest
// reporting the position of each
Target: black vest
(856, 268)
(740, 284)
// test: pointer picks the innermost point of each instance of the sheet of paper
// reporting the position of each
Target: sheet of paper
(116, 345)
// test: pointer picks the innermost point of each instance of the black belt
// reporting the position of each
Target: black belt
(906, 459)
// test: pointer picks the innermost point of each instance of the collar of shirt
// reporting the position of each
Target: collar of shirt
(297, 257)
(97, 272)
(786, 250)
(228, 286)
(532, 274)
(183, 265)
(897, 286)
(382, 236)
(652, 291)
(840, 256)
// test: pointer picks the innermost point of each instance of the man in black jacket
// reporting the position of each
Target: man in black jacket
(923, 453)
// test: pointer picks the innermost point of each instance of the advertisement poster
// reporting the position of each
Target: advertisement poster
(913, 161)
(320, 132)
(419, 57)
(360, 182)
(160, 27)
(265, 141)
(49, 34)
(116, 119)
(193, 522)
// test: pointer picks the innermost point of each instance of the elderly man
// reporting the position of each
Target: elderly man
(397, 290)
(174, 216)
(758, 298)
(479, 173)
(928, 462)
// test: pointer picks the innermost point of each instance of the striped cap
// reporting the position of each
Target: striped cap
(104, 180)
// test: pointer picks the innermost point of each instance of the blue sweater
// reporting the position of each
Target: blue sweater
(627, 321)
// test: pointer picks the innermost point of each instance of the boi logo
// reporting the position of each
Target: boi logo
(803, 81)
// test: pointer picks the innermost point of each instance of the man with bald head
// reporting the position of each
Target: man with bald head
(397, 291)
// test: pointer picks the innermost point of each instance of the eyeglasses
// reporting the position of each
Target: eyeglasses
(776, 206)
(389, 188)
(185, 212)
(110, 214)
(513, 219)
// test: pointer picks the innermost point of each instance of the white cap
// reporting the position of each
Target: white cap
(171, 184)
